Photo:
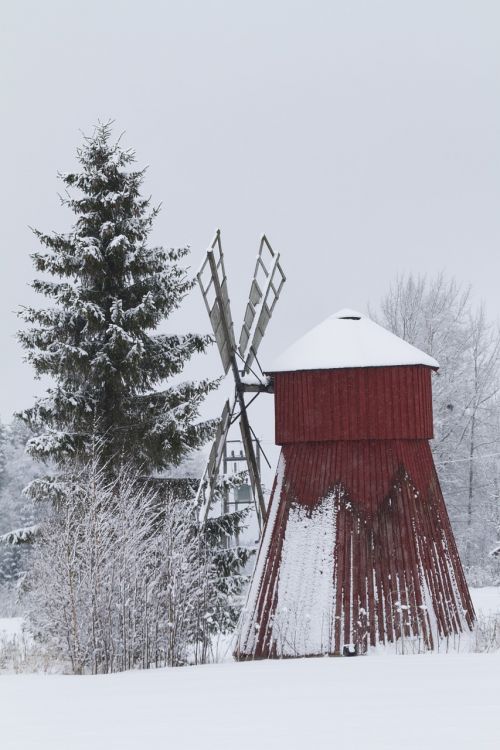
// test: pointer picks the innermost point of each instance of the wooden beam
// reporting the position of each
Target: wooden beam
(253, 470)
(257, 387)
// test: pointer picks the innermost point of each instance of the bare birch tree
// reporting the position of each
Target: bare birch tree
(438, 316)
(120, 580)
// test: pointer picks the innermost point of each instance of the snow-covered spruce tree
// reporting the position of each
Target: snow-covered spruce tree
(219, 537)
(16, 511)
(230, 562)
(109, 290)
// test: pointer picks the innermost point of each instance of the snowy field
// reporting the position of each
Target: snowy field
(378, 702)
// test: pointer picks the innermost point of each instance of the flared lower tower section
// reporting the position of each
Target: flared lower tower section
(357, 552)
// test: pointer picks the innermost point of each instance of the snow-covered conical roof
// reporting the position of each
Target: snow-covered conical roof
(349, 339)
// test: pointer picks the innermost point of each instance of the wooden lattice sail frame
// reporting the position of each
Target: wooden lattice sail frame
(265, 290)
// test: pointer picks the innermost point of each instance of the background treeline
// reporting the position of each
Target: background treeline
(439, 316)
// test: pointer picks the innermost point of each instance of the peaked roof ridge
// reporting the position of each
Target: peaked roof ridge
(346, 314)
(349, 339)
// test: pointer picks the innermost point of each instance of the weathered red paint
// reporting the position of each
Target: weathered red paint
(353, 404)
(360, 437)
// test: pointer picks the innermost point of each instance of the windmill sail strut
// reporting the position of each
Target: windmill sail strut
(265, 290)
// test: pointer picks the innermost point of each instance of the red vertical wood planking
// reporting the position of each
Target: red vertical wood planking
(360, 437)
(351, 404)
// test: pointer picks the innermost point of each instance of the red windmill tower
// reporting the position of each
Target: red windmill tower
(357, 549)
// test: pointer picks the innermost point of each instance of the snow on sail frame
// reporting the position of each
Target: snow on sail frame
(265, 289)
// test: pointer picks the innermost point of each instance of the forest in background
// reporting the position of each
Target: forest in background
(438, 316)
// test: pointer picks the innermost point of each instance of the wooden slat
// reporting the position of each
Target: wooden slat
(400, 533)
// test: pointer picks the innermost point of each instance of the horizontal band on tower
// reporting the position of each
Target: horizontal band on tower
(380, 403)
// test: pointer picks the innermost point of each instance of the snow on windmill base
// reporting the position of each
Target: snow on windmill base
(331, 579)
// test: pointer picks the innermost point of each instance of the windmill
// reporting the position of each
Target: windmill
(358, 550)
(241, 358)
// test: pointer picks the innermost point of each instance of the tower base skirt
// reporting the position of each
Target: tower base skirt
(357, 552)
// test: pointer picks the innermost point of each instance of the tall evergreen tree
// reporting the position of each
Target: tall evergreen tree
(110, 289)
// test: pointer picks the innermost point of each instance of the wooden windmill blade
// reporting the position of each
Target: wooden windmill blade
(213, 284)
(254, 477)
(265, 290)
(206, 489)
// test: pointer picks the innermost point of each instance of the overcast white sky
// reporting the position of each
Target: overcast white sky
(362, 137)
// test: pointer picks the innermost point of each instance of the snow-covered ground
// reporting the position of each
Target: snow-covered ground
(10, 627)
(411, 702)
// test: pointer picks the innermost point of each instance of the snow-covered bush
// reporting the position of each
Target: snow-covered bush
(122, 580)
(19, 653)
(17, 512)
(486, 637)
